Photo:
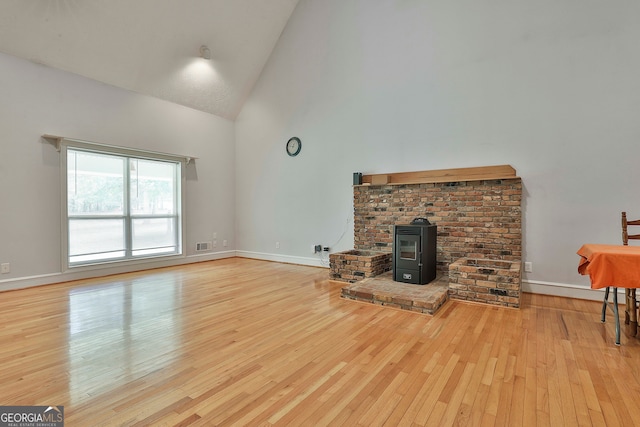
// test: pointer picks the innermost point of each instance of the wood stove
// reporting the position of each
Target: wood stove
(414, 252)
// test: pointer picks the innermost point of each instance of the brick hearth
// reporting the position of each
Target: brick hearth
(351, 266)
(382, 290)
(479, 216)
(486, 280)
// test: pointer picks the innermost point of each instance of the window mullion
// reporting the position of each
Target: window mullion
(176, 207)
(128, 227)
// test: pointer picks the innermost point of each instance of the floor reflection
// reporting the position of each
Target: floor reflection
(132, 326)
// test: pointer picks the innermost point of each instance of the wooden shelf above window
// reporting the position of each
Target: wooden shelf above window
(442, 175)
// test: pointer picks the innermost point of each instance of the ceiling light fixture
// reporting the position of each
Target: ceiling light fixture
(205, 52)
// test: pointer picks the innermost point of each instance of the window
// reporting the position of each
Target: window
(120, 204)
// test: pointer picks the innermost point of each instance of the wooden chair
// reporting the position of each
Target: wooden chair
(630, 313)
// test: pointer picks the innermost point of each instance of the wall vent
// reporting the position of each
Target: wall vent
(203, 246)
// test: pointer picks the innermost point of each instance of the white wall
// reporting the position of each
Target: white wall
(549, 87)
(38, 100)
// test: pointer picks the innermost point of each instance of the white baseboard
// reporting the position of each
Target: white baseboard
(531, 286)
(566, 290)
(47, 279)
(287, 259)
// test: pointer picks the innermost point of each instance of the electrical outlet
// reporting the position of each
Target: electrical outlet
(5, 268)
(215, 235)
(224, 243)
(277, 245)
(528, 267)
(215, 243)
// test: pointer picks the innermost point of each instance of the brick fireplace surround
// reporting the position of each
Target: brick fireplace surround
(478, 214)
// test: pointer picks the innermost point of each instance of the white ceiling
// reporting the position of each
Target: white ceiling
(152, 46)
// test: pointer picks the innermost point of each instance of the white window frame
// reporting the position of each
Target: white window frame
(63, 144)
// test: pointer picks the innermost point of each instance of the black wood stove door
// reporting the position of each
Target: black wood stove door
(408, 251)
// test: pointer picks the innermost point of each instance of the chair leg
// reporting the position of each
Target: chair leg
(615, 312)
(627, 311)
(604, 304)
(633, 314)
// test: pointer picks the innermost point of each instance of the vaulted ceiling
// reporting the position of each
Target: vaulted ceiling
(152, 46)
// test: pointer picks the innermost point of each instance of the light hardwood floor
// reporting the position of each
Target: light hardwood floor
(246, 342)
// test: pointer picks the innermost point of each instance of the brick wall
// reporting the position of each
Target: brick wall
(475, 219)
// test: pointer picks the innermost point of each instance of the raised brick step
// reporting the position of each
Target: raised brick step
(382, 290)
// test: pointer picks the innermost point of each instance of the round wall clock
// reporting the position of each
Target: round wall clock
(294, 145)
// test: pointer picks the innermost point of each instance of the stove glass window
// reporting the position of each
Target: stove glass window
(408, 249)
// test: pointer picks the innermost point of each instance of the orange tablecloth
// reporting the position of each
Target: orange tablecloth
(610, 265)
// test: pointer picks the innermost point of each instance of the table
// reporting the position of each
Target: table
(613, 266)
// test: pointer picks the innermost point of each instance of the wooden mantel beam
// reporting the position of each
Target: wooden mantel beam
(442, 175)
